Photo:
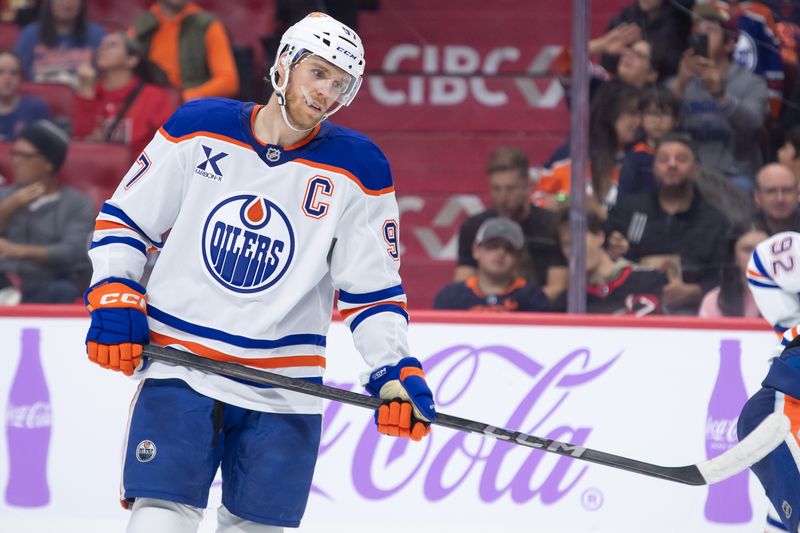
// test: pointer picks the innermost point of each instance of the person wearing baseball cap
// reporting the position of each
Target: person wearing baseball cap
(44, 226)
(496, 285)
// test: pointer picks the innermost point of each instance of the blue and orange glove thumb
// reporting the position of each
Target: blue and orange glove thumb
(119, 328)
(408, 407)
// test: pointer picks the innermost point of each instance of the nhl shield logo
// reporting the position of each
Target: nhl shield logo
(248, 243)
(273, 154)
(145, 451)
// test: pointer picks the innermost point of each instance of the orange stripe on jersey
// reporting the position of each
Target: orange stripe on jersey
(263, 362)
(755, 274)
(107, 224)
(203, 134)
(348, 312)
(344, 172)
(791, 408)
(305, 140)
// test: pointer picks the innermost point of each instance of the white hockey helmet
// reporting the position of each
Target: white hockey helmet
(325, 37)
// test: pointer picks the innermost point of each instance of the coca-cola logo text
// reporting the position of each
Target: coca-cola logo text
(476, 463)
(721, 432)
(32, 416)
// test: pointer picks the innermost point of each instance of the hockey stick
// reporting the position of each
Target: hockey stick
(765, 438)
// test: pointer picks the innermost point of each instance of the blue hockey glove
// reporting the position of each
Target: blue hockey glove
(119, 324)
(408, 407)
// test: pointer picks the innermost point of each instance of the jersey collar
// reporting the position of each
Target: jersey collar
(274, 155)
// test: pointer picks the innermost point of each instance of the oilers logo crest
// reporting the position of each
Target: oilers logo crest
(248, 243)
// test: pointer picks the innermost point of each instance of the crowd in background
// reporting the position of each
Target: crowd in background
(694, 151)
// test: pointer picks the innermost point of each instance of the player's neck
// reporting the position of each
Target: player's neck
(269, 126)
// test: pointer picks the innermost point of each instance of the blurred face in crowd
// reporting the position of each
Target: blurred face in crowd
(10, 76)
(718, 46)
(776, 192)
(594, 246)
(743, 249)
(27, 163)
(65, 11)
(112, 54)
(496, 258)
(510, 193)
(634, 65)
(627, 125)
(649, 5)
(173, 5)
(657, 123)
(674, 164)
(788, 157)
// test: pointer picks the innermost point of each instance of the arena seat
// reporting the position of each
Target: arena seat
(8, 35)
(95, 168)
(60, 98)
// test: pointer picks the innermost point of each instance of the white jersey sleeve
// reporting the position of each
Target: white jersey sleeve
(774, 278)
(365, 265)
(143, 208)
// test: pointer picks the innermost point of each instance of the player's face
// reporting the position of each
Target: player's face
(27, 163)
(776, 192)
(497, 258)
(509, 192)
(744, 248)
(674, 164)
(10, 76)
(315, 87)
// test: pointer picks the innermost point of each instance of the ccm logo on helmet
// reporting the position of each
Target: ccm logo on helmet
(123, 298)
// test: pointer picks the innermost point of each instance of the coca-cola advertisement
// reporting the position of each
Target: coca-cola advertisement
(661, 391)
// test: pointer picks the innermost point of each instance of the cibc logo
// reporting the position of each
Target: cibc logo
(454, 73)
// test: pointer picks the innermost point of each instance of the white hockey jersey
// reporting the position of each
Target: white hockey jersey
(260, 237)
(774, 278)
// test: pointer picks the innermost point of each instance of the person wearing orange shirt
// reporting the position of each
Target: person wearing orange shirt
(191, 46)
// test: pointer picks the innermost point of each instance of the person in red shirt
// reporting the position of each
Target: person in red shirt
(117, 100)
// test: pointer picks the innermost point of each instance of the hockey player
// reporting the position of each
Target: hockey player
(774, 279)
(270, 209)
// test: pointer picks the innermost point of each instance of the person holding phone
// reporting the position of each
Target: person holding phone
(724, 105)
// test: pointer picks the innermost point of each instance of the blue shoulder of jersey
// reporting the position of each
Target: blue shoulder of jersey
(220, 116)
(354, 152)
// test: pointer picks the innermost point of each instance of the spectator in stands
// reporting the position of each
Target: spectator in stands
(724, 106)
(789, 153)
(777, 196)
(52, 49)
(733, 297)
(665, 24)
(673, 227)
(44, 227)
(614, 120)
(634, 61)
(495, 286)
(20, 12)
(509, 188)
(16, 110)
(612, 287)
(660, 112)
(118, 101)
(191, 46)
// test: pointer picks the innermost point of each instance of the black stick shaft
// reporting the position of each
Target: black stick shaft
(689, 475)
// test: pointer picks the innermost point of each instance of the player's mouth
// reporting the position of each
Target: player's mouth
(310, 101)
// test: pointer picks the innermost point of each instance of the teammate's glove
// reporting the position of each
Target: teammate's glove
(119, 324)
(408, 406)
